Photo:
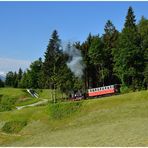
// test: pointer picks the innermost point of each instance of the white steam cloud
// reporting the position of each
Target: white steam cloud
(75, 62)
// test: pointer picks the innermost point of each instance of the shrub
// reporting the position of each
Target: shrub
(60, 110)
(7, 103)
(13, 126)
(125, 89)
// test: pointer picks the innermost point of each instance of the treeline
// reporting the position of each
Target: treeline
(113, 58)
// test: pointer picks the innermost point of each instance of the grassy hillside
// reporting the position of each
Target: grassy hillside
(11, 97)
(112, 121)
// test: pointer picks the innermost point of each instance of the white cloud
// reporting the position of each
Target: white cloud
(12, 65)
(2, 73)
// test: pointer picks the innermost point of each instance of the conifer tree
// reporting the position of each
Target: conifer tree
(143, 30)
(96, 54)
(51, 56)
(9, 79)
(129, 54)
(110, 42)
(89, 69)
(15, 80)
(1, 83)
(19, 76)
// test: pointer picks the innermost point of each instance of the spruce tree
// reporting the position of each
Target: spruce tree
(51, 58)
(19, 76)
(129, 54)
(143, 30)
(110, 42)
(89, 69)
(97, 56)
(9, 79)
(15, 80)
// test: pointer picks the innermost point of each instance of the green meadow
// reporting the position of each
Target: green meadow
(119, 120)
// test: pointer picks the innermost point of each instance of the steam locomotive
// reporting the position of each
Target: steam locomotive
(96, 92)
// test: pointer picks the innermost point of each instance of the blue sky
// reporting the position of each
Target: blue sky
(25, 27)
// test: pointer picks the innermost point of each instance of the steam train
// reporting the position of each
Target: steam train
(96, 92)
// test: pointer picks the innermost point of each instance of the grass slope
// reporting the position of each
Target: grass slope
(21, 97)
(112, 121)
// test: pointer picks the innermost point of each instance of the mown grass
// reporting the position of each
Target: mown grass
(112, 121)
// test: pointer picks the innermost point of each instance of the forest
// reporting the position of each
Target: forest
(112, 58)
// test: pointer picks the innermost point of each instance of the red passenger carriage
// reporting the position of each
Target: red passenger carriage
(105, 90)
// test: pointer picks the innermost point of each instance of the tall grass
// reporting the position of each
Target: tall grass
(14, 126)
(61, 110)
(7, 103)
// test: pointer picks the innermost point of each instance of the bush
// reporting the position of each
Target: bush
(125, 89)
(7, 103)
(14, 126)
(4, 107)
(60, 110)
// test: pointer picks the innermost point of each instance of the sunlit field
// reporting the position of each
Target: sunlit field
(119, 120)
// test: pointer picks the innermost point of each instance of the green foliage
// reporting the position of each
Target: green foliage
(143, 30)
(62, 110)
(24, 83)
(52, 59)
(7, 103)
(14, 126)
(128, 56)
(113, 58)
(110, 38)
(125, 89)
(9, 79)
(1, 83)
(130, 19)
(85, 53)
(13, 78)
(19, 77)
(32, 78)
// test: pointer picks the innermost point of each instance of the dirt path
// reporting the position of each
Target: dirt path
(44, 101)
